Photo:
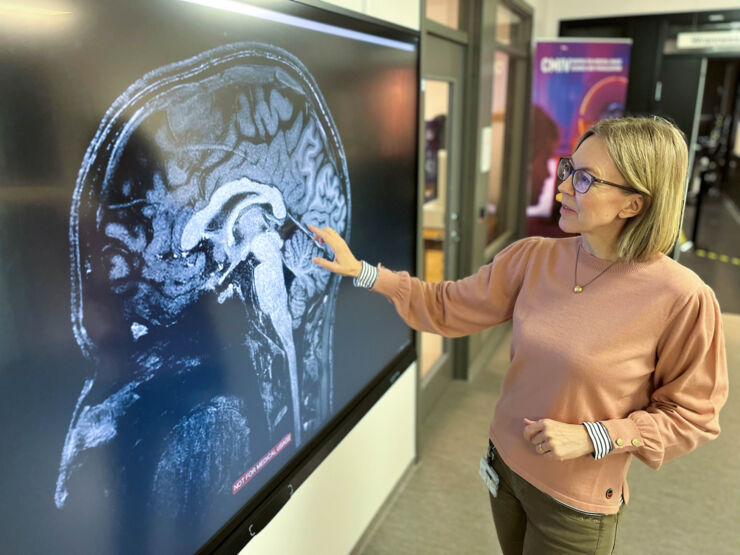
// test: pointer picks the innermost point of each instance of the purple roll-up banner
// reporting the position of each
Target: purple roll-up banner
(575, 84)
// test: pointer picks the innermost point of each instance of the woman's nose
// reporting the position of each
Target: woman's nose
(567, 186)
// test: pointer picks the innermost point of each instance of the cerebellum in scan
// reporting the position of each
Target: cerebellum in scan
(206, 328)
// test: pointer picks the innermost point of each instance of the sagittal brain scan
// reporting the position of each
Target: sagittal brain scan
(193, 201)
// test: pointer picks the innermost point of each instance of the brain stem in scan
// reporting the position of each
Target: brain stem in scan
(252, 227)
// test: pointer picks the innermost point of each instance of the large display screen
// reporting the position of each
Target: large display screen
(167, 346)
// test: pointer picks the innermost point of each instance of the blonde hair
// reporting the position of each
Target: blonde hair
(652, 156)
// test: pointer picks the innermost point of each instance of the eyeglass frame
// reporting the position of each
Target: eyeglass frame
(573, 171)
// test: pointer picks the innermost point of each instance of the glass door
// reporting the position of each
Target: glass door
(437, 97)
(442, 72)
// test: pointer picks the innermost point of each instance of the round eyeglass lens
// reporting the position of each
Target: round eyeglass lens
(581, 181)
(564, 169)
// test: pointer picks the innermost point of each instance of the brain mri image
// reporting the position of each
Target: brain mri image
(207, 328)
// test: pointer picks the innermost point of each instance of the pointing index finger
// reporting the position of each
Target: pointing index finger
(325, 237)
(323, 233)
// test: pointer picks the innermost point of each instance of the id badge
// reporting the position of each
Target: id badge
(489, 476)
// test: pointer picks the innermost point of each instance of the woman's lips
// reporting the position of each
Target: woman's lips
(564, 209)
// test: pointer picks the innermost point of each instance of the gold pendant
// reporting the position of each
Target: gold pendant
(577, 289)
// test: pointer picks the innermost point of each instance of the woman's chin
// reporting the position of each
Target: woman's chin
(566, 226)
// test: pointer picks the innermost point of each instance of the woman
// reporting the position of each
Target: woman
(617, 350)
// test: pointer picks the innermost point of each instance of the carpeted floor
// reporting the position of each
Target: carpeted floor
(691, 506)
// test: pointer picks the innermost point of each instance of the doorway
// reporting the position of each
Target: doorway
(442, 95)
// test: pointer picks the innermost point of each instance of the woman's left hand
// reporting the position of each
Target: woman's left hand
(557, 440)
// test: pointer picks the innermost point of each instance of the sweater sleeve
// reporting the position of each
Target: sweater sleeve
(457, 308)
(690, 386)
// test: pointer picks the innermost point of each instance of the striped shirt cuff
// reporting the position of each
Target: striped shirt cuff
(367, 276)
(600, 438)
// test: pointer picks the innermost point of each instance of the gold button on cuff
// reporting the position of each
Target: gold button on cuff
(636, 442)
(620, 441)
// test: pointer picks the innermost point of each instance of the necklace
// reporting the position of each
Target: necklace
(578, 288)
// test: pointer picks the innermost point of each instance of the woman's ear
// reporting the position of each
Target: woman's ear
(633, 207)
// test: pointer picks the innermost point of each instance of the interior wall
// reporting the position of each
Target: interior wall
(404, 13)
(328, 514)
(549, 13)
(331, 510)
(436, 99)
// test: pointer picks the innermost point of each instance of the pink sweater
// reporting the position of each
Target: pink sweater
(641, 349)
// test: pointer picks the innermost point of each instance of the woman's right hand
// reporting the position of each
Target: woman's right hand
(344, 263)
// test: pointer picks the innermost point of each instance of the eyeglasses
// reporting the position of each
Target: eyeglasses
(582, 180)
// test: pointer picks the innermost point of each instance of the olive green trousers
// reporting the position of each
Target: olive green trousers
(531, 522)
